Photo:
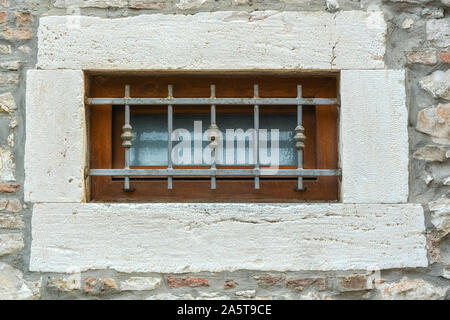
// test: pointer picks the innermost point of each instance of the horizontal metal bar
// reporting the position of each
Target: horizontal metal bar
(151, 102)
(216, 172)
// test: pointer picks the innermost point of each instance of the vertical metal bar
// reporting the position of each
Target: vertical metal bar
(256, 140)
(127, 149)
(214, 151)
(300, 150)
(169, 143)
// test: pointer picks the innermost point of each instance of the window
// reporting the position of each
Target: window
(213, 146)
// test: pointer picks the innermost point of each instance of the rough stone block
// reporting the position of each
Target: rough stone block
(55, 136)
(438, 84)
(11, 222)
(180, 238)
(435, 121)
(66, 284)
(10, 243)
(7, 165)
(374, 136)
(216, 41)
(91, 3)
(14, 287)
(175, 282)
(424, 57)
(431, 153)
(438, 32)
(410, 289)
(147, 4)
(140, 284)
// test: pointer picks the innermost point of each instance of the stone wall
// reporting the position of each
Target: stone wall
(418, 41)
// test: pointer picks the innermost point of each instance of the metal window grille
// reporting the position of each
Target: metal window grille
(212, 171)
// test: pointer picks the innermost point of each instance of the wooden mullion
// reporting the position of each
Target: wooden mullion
(100, 146)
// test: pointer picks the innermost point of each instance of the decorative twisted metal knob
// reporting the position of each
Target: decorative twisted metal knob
(126, 136)
(214, 136)
(299, 137)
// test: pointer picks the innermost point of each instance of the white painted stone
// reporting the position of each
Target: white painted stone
(10, 243)
(374, 136)
(55, 136)
(216, 41)
(179, 238)
(140, 284)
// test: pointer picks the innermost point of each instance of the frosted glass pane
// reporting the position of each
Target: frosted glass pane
(277, 145)
(150, 140)
(191, 141)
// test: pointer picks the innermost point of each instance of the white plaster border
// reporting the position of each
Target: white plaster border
(373, 122)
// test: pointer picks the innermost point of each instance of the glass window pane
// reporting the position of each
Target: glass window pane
(150, 140)
(191, 140)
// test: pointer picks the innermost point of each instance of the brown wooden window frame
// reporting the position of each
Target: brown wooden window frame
(106, 151)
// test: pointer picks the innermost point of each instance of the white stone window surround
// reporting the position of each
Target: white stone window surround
(70, 235)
